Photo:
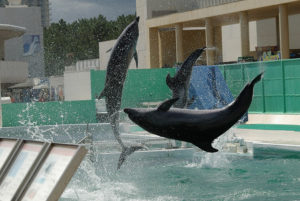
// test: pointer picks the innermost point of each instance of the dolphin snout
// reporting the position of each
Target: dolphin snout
(132, 113)
(127, 110)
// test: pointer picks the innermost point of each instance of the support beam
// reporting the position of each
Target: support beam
(160, 49)
(284, 32)
(209, 34)
(2, 51)
(244, 27)
(179, 45)
(277, 32)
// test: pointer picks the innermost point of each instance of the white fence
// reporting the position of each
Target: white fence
(84, 65)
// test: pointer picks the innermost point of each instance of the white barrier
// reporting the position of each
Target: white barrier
(31, 170)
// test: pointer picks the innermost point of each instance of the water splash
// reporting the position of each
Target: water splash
(220, 159)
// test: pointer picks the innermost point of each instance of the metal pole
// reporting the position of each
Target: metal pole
(2, 55)
(0, 101)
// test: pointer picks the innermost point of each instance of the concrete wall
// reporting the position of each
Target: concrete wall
(30, 18)
(193, 39)
(77, 86)
(262, 33)
(169, 48)
(161, 7)
(266, 32)
(231, 42)
(13, 71)
(294, 31)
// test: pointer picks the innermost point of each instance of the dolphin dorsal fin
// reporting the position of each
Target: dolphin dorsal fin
(166, 105)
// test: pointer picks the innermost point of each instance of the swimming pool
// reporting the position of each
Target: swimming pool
(187, 175)
(266, 173)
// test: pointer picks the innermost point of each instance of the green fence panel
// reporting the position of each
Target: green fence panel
(278, 92)
(141, 85)
(292, 85)
(48, 113)
(234, 78)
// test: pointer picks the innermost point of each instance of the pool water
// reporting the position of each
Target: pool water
(173, 175)
(186, 175)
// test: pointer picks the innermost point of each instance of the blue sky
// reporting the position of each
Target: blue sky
(71, 10)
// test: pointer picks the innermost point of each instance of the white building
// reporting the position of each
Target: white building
(171, 29)
(10, 71)
(29, 47)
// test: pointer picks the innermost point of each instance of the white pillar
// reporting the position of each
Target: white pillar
(209, 35)
(244, 26)
(179, 45)
(160, 49)
(284, 32)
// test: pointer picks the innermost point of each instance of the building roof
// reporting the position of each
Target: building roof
(8, 31)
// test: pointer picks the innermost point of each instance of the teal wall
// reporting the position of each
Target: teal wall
(141, 85)
(48, 113)
(278, 92)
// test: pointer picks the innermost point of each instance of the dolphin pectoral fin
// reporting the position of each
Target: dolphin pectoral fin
(206, 146)
(135, 56)
(170, 81)
(166, 105)
(109, 50)
(126, 151)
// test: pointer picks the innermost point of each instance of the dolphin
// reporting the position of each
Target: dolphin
(121, 55)
(199, 127)
(180, 83)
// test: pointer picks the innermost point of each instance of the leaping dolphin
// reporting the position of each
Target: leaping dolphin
(120, 58)
(180, 83)
(199, 127)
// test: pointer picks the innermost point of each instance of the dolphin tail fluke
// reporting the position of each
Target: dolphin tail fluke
(126, 151)
(257, 78)
(206, 146)
(102, 94)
